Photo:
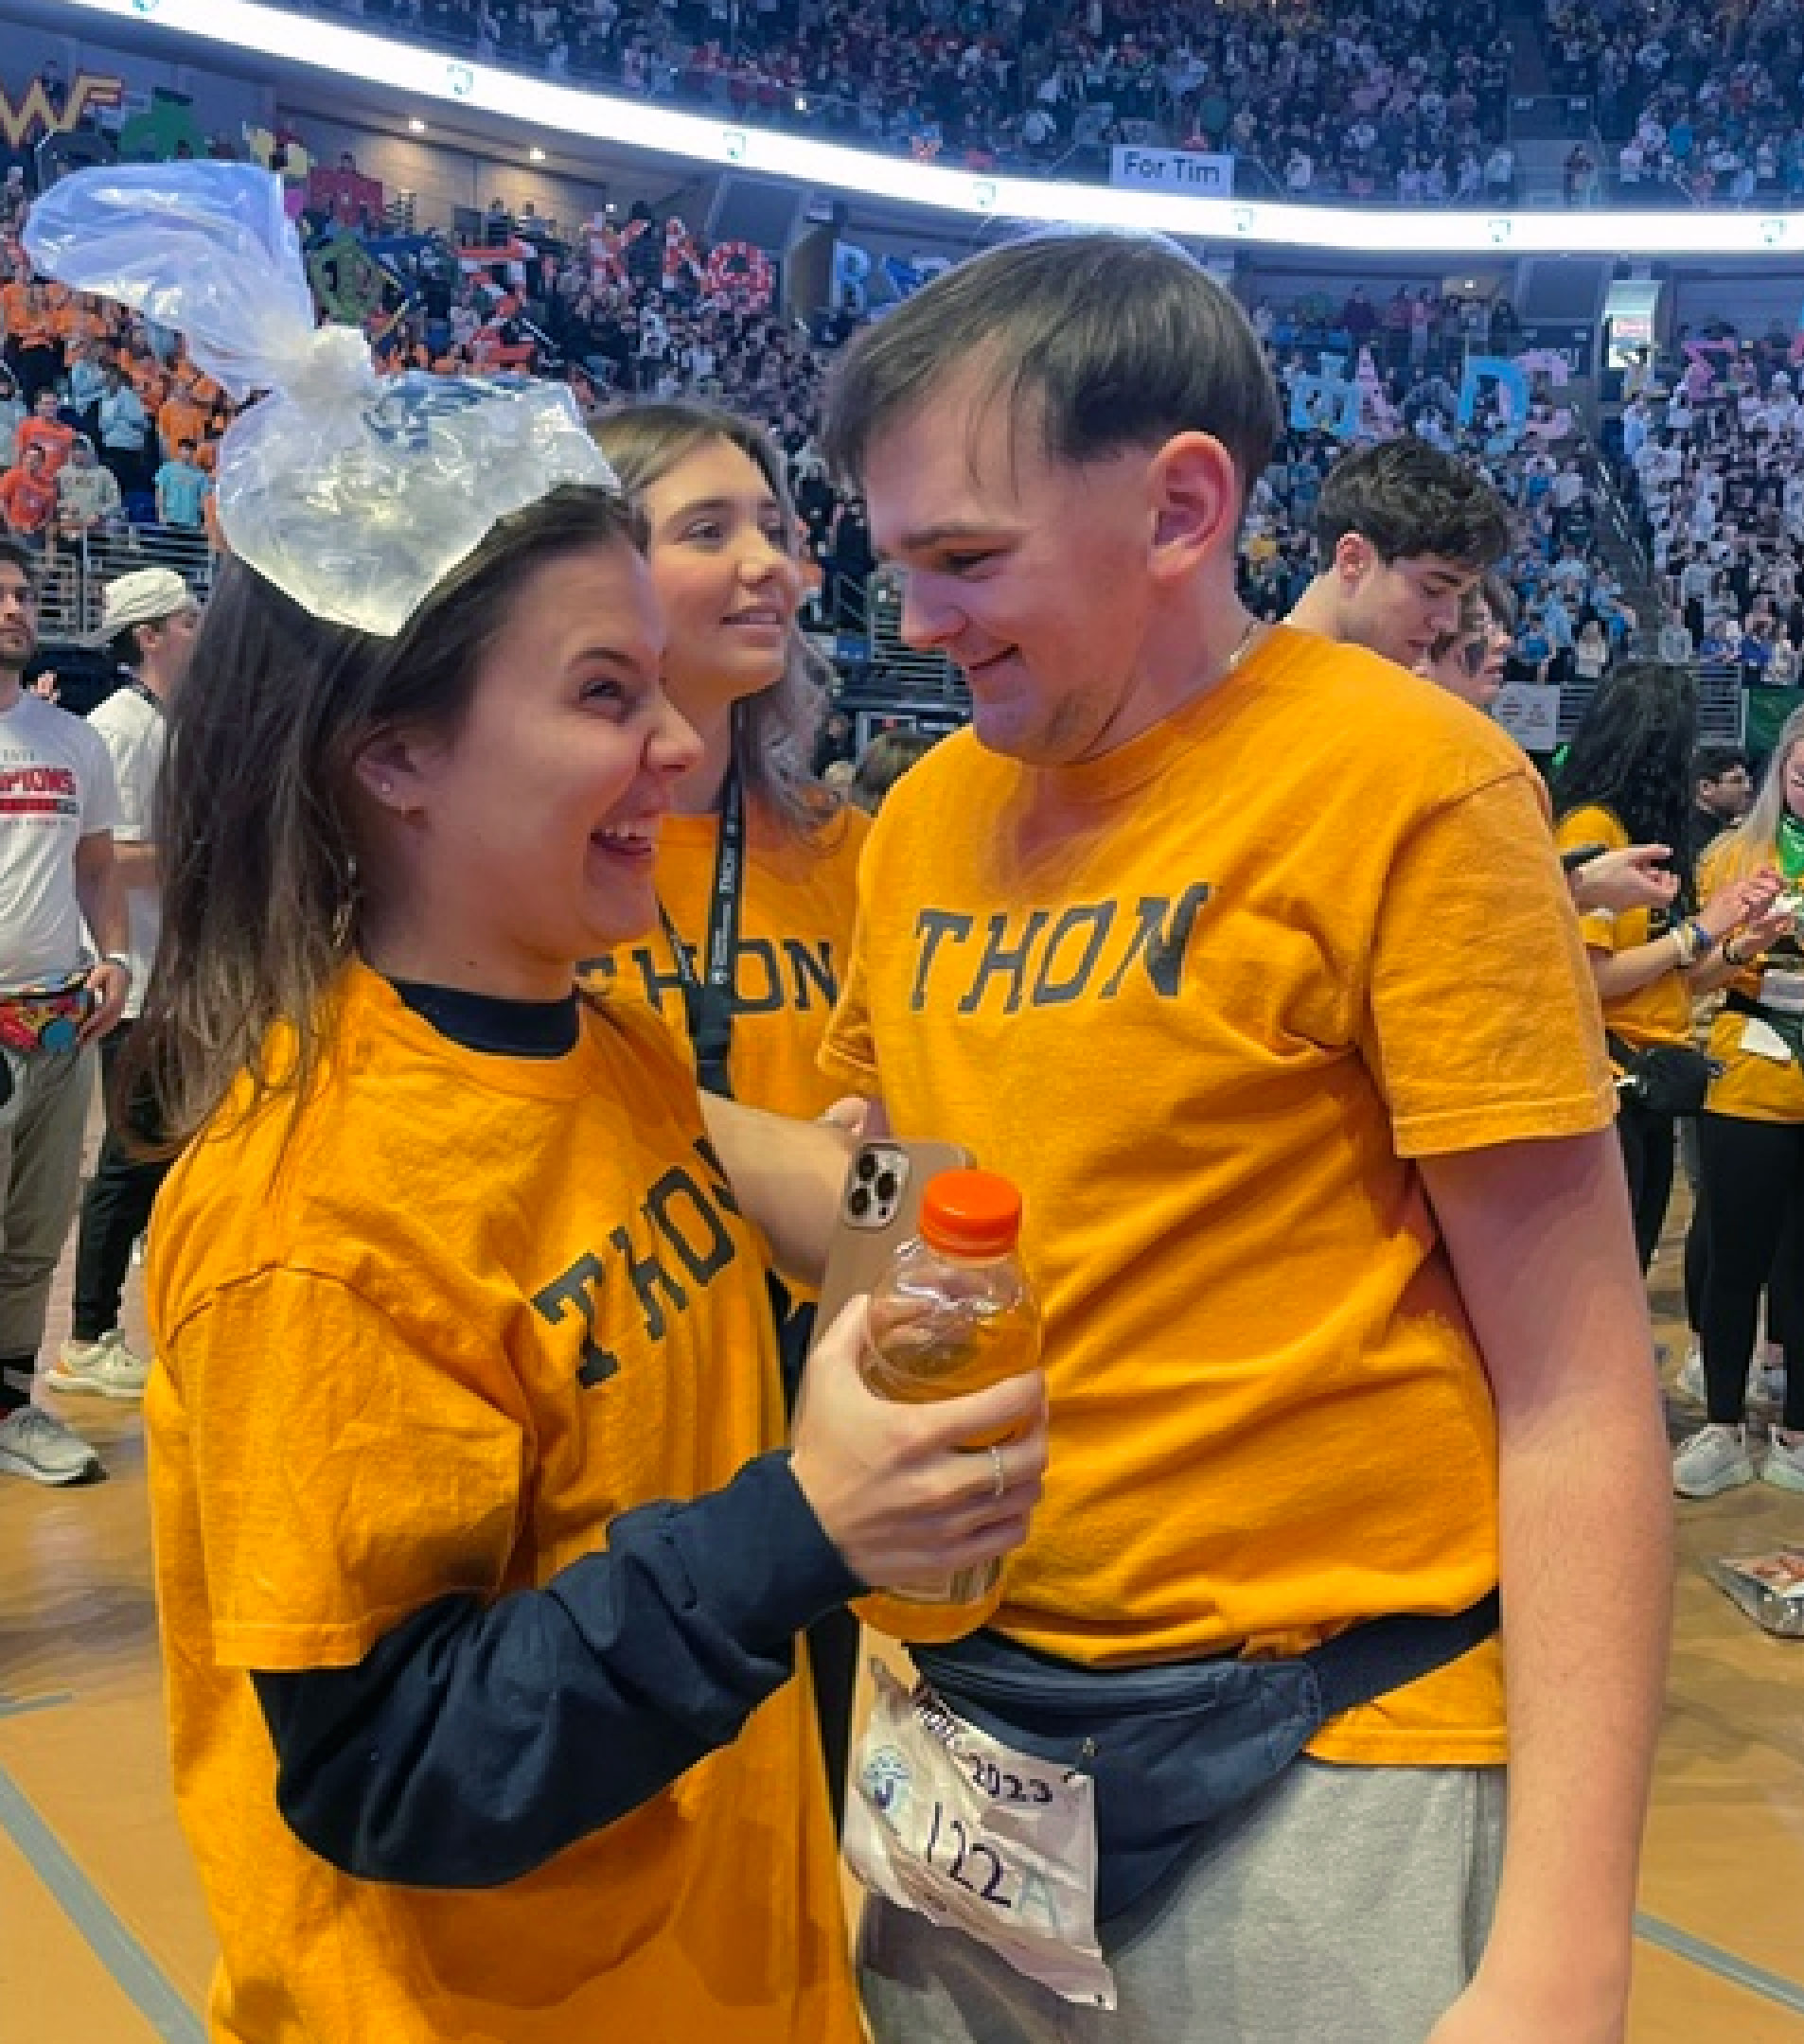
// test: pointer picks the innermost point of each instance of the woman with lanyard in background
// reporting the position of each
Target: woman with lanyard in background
(479, 1555)
(1627, 780)
(1751, 1139)
(757, 869)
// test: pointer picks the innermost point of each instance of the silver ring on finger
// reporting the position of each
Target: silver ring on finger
(1000, 1474)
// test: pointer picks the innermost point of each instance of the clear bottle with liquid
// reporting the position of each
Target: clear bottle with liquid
(954, 1315)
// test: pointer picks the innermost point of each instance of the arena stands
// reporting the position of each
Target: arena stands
(1404, 101)
(1691, 97)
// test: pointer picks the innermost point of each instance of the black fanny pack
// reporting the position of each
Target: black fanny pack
(1669, 1079)
(1175, 1749)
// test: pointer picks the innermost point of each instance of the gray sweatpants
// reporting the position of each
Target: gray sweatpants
(1342, 1906)
(42, 1128)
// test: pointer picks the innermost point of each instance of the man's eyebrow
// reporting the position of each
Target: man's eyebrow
(926, 538)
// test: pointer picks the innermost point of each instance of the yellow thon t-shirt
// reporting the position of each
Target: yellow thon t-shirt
(471, 1310)
(795, 934)
(1206, 998)
(1660, 1013)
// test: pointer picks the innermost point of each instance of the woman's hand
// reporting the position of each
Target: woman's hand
(1637, 876)
(1742, 901)
(898, 1489)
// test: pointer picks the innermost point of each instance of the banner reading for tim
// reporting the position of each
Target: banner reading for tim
(1171, 171)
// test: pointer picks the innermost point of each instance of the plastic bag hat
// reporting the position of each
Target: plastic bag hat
(354, 493)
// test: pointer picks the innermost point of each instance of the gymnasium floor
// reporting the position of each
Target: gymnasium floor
(103, 1939)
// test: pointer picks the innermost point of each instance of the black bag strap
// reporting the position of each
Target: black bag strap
(1368, 1661)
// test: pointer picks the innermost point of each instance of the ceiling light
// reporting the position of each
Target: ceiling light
(535, 154)
(417, 126)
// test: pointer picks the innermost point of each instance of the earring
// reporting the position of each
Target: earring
(387, 788)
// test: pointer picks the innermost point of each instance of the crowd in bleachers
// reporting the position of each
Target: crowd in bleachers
(104, 426)
(1712, 456)
(1690, 95)
(1404, 99)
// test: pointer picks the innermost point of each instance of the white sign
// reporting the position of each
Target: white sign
(1171, 171)
(1531, 715)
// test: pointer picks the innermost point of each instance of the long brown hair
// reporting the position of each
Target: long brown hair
(260, 896)
(773, 731)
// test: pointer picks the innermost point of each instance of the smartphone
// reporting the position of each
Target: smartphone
(880, 1208)
(1580, 855)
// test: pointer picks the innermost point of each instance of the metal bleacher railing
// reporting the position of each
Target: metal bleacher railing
(76, 570)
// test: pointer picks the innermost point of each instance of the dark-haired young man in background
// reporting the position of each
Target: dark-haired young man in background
(1248, 956)
(1403, 532)
(1722, 793)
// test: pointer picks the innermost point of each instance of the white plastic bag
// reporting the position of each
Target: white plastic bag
(354, 493)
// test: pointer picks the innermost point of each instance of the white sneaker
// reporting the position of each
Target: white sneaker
(1713, 1460)
(35, 1444)
(1785, 1465)
(1765, 1380)
(106, 1369)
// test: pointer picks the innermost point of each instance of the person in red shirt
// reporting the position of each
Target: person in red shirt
(45, 431)
(29, 495)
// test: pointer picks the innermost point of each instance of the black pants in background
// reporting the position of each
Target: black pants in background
(1753, 1176)
(116, 1208)
(1647, 1140)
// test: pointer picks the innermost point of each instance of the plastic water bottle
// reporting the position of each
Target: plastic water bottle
(955, 1313)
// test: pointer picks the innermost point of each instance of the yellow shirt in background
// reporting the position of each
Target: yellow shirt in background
(433, 1336)
(1660, 1013)
(1206, 999)
(1754, 1087)
(795, 936)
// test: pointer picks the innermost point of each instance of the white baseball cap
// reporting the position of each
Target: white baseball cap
(146, 597)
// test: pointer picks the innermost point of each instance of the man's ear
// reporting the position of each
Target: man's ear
(1355, 557)
(1196, 494)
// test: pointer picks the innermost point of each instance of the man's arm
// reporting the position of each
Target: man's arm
(103, 900)
(1541, 1243)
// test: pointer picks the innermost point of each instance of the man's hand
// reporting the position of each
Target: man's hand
(1636, 877)
(110, 984)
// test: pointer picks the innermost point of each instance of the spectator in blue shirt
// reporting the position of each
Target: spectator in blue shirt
(181, 490)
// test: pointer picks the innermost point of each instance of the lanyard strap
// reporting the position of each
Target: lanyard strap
(707, 1001)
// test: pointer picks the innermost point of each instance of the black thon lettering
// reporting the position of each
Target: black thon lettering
(1163, 947)
(675, 1194)
(761, 954)
(1002, 962)
(931, 928)
(1051, 992)
(649, 1278)
(575, 1288)
(811, 973)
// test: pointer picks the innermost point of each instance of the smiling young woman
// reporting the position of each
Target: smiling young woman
(757, 871)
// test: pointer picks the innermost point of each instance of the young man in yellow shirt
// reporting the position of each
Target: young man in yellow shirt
(1248, 956)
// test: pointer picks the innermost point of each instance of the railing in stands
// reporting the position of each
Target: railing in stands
(75, 572)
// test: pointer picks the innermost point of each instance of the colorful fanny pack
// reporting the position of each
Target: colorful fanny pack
(44, 1019)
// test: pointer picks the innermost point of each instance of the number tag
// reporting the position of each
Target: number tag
(976, 1837)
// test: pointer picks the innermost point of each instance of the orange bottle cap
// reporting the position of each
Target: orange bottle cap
(971, 1213)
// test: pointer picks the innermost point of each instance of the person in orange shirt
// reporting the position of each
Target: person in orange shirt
(181, 418)
(1626, 779)
(757, 871)
(28, 497)
(1248, 956)
(45, 431)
